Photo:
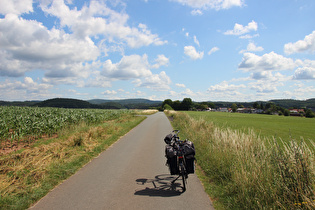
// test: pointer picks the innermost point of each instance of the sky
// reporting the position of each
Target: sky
(206, 50)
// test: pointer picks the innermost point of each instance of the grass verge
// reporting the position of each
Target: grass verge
(242, 171)
(29, 174)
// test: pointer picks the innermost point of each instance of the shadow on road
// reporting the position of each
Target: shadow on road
(159, 186)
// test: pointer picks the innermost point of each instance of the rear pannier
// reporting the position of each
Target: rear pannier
(170, 154)
(189, 148)
(190, 164)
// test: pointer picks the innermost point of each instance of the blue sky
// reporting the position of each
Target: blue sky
(206, 50)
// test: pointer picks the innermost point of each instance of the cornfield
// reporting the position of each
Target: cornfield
(29, 123)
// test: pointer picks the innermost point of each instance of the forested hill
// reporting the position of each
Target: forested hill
(66, 103)
(100, 104)
(288, 103)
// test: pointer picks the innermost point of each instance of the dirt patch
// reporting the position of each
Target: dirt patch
(6, 147)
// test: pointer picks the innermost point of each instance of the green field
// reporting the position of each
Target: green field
(265, 125)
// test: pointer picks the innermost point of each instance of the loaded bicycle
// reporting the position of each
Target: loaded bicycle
(180, 157)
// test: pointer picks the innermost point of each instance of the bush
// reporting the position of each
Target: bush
(167, 107)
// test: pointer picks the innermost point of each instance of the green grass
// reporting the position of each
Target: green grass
(266, 125)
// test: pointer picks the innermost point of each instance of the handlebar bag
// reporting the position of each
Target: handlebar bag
(168, 138)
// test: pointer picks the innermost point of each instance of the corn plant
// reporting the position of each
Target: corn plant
(26, 123)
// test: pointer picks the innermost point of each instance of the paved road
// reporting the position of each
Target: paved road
(131, 174)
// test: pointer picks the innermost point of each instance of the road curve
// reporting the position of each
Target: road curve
(131, 174)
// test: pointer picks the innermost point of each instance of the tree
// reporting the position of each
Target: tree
(176, 105)
(286, 112)
(186, 104)
(211, 105)
(309, 114)
(234, 107)
(256, 105)
(202, 106)
(262, 106)
(167, 101)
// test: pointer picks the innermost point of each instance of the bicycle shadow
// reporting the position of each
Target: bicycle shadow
(160, 186)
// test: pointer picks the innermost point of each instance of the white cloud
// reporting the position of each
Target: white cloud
(240, 29)
(98, 19)
(196, 41)
(227, 92)
(251, 47)
(196, 12)
(16, 6)
(264, 87)
(129, 67)
(24, 90)
(192, 53)
(161, 60)
(158, 82)
(304, 73)
(211, 4)
(180, 85)
(225, 87)
(214, 49)
(248, 36)
(267, 62)
(109, 92)
(28, 45)
(306, 45)
(302, 92)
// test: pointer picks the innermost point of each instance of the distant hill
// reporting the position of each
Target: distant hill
(18, 103)
(288, 103)
(125, 101)
(66, 103)
(99, 103)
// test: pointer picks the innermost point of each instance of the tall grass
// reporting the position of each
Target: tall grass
(250, 172)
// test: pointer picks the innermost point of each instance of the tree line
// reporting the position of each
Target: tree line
(265, 107)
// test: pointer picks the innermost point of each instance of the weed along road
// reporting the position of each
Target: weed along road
(131, 174)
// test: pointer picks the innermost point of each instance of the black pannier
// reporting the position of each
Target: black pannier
(170, 154)
(190, 165)
(172, 164)
(189, 148)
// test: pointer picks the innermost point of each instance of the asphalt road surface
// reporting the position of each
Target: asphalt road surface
(131, 174)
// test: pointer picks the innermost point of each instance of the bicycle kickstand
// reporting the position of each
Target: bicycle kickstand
(175, 179)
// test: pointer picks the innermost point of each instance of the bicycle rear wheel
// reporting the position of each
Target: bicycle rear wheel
(183, 175)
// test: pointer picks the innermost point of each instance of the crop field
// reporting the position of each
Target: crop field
(20, 124)
(265, 125)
